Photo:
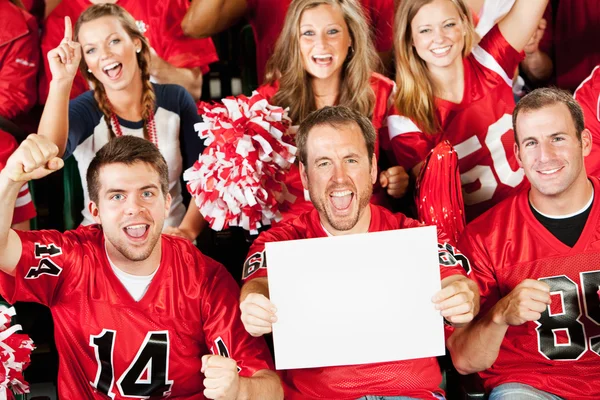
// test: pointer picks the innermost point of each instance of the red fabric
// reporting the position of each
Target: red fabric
(479, 128)
(415, 378)
(508, 245)
(24, 208)
(570, 41)
(588, 96)
(383, 89)
(191, 298)
(267, 17)
(19, 60)
(162, 21)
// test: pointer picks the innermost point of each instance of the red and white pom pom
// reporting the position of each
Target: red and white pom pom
(15, 356)
(237, 180)
(438, 192)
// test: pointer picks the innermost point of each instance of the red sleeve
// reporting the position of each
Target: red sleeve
(24, 208)
(381, 15)
(452, 261)
(482, 271)
(409, 145)
(222, 324)
(19, 66)
(45, 268)
(588, 96)
(255, 265)
(176, 48)
(496, 46)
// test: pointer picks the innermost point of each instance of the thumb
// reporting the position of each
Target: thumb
(384, 179)
(204, 361)
(55, 164)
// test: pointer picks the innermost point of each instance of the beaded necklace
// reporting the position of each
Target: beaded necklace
(150, 126)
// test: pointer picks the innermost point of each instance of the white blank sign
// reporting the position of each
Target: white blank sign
(355, 299)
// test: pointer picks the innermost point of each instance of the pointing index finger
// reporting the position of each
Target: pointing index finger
(68, 29)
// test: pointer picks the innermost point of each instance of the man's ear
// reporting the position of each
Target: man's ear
(374, 169)
(95, 211)
(303, 176)
(586, 142)
(517, 155)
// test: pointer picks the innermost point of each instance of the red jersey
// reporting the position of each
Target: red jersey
(588, 96)
(384, 89)
(19, 60)
(570, 40)
(159, 21)
(560, 352)
(108, 343)
(267, 17)
(418, 378)
(24, 208)
(479, 127)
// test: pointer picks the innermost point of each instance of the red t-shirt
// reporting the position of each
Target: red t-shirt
(479, 128)
(571, 41)
(418, 378)
(588, 96)
(24, 208)
(108, 342)
(267, 17)
(160, 21)
(384, 90)
(560, 352)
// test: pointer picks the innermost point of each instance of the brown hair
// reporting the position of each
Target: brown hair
(295, 90)
(545, 97)
(336, 116)
(415, 96)
(143, 57)
(18, 3)
(126, 150)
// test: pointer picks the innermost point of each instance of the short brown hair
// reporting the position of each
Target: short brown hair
(545, 97)
(126, 150)
(335, 116)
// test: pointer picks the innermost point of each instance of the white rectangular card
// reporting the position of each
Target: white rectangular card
(355, 299)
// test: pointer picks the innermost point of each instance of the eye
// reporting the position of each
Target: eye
(90, 51)
(450, 25)
(308, 33)
(530, 143)
(117, 197)
(352, 161)
(425, 30)
(115, 41)
(147, 194)
(333, 31)
(322, 164)
(558, 139)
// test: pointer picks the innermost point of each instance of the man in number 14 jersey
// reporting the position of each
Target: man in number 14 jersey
(536, 258)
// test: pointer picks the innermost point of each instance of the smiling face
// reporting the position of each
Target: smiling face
(324, 41)
(109, 52)
(339, 177)
(132, 209)
(550, 152)
(438, 34)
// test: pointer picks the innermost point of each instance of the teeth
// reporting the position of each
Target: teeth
(323, 56)
(551, 171)
(136, 226)
(341, 194)
(111, 66)
(441, 50)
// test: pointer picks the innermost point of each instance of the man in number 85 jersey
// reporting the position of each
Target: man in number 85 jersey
(536, 258)
(136, 313)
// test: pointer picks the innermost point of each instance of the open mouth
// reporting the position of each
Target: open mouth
(113, 71)
(323, 59)
(441, 51)
(341, 199)
(138, 232)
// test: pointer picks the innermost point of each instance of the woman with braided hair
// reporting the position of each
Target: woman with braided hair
(114, 56)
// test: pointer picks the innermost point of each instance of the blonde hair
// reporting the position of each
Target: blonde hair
(285, 65)
(415, 96)
(143, 58)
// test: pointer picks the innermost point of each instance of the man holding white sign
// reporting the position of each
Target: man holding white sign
(339, 169)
